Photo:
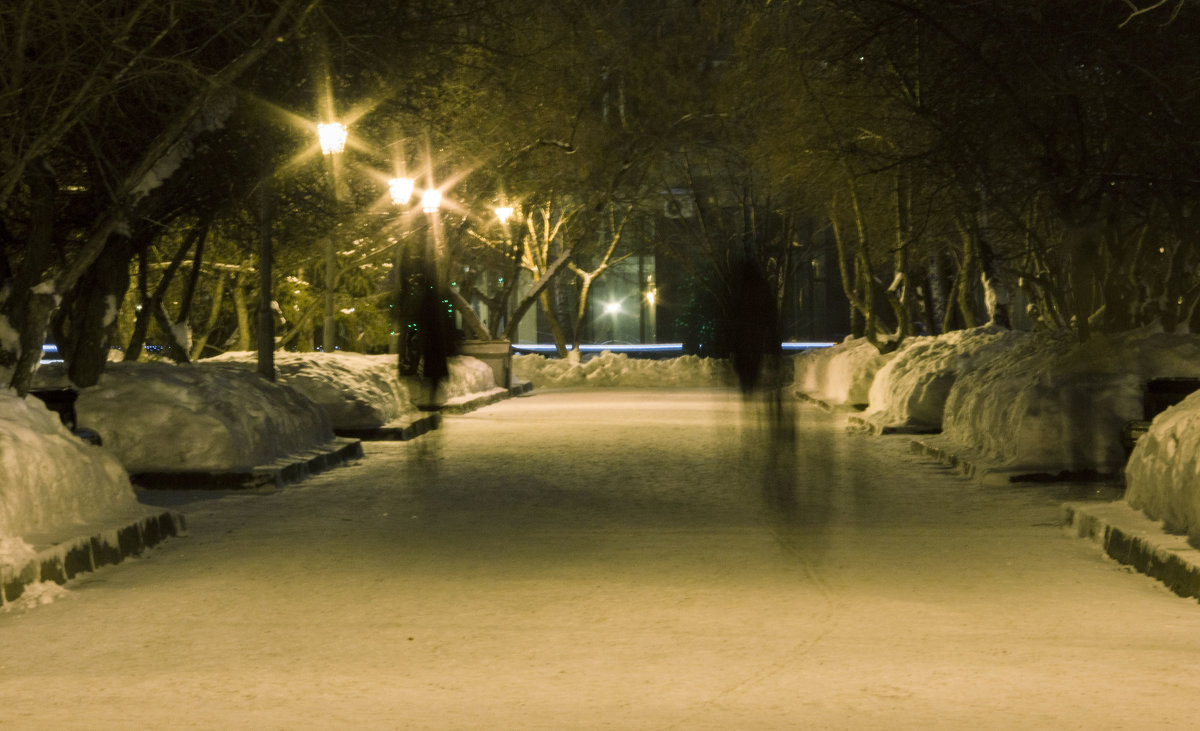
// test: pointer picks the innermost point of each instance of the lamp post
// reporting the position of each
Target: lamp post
(332, 136)
(401, 190)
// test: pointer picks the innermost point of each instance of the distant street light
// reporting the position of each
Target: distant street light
(332, 136)
(401, 190)
(431, 200)
(504, 213)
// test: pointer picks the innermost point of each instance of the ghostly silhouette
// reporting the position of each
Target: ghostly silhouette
(754, 329)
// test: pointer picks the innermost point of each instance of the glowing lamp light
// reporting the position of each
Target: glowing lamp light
(332, 136)
(431, 200)
(401, 190)
(651, 296)
(504, 213)
(612, 308)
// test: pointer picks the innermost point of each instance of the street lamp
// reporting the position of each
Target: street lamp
(401, 190)
(504, 213)
(332, 136)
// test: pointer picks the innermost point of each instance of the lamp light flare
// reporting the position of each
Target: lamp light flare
(612, 308)
(431, 200)
(504, 213)
(401, 190)
(333, 137)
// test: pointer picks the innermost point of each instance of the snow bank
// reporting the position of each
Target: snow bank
(1049, 403)
(469, 377)
(50, 479)
(357, 391)
(211, 417)
(911, 388)
(1163, 475)
(617, 369)
(840, 375)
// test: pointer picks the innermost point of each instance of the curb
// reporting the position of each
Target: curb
(978, 470)
(64, 561)
(421, 426)
(1132, 539)
(286, 470)
(860, 425)
(428, 423)
(488, 399)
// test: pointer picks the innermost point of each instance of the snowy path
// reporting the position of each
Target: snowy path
(614, 560)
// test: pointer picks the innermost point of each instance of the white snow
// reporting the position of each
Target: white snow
(50, 479)
(1036, 402)
(841, 375)
(912, 386)
(609, 369)
(357, 391)
(1033, 401)
(163, 417)
(1163, 474)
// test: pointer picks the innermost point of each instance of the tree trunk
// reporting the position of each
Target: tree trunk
(92, 318)
(214, 314)
(242, 308)
(28, 306)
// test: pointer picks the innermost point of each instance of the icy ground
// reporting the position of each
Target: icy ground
(614, 559)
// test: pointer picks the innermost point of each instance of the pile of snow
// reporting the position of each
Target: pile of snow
(157, 417)
(1163, 475)
(1049, 403)
(357, 391)
(912, 386)
(617, 369)
(469, 377)
(840, 375)
(51, 479)
(365, 391)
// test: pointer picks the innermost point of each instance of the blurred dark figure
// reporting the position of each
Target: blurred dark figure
(757, 357)
(435, 333)
(757, 352)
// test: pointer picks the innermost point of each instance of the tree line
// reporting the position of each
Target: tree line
(1028, 164)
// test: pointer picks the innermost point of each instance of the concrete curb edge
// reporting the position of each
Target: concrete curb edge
(289, 469)
(64, 561)
(1132, 539)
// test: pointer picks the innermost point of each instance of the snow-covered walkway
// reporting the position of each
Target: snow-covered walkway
(614, 559)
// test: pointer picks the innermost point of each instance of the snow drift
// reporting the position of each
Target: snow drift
(840, 375)
(911, 388)
(1163, 475)
(364, 391)
(610, 369)
(157, 417)
(357, 391)
(1049, 403)
(50, 479)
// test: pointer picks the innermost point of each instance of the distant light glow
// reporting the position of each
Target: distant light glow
(504, 213)
(651, 296)
(401, 190)
(612, 308)
(333, 137)
(431, 200)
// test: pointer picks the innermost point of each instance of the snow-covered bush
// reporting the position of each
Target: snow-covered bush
(1163, 475)
(50, 479)
(1050, 403)
(619, 370)
(840, 375)
(160, 418)
(912, 387)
